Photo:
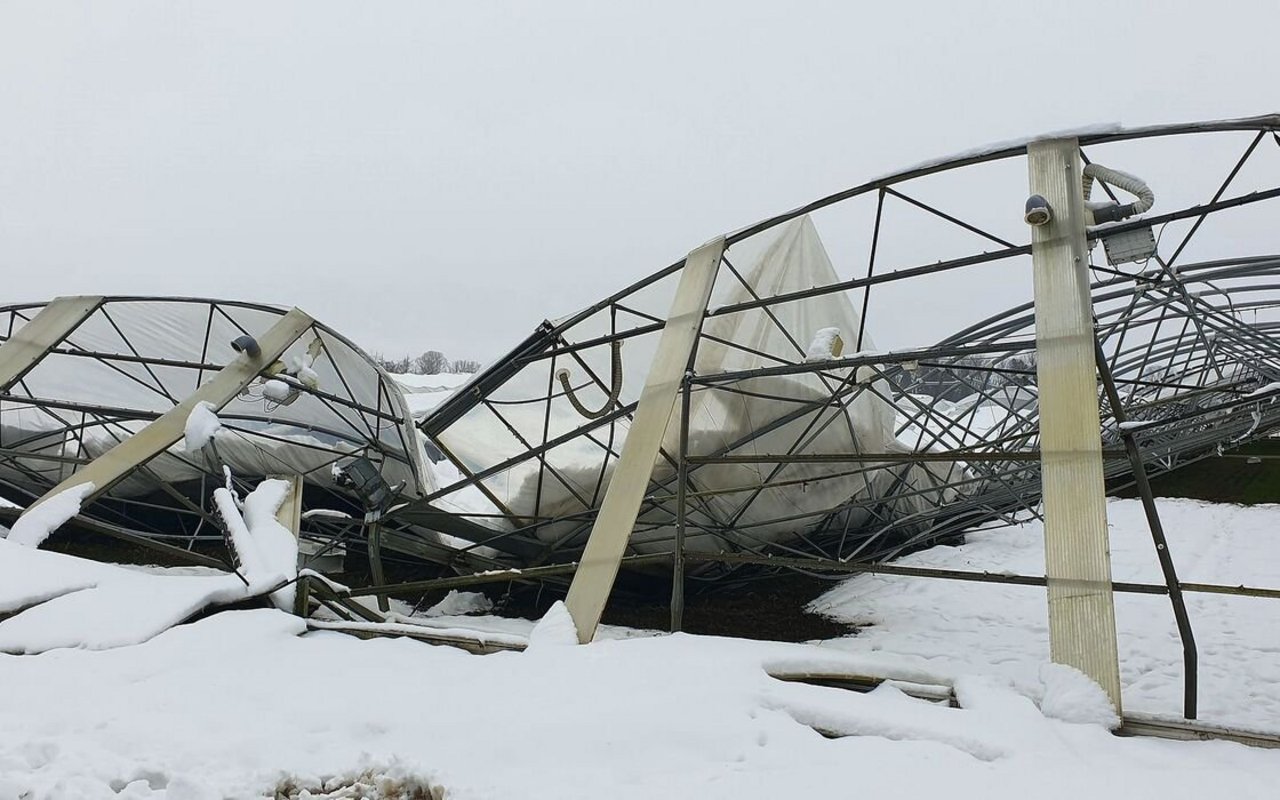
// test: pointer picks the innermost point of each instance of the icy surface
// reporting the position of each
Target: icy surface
(34, 526)
(202, 424)
(969, 628)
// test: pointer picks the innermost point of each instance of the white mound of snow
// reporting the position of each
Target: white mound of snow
(555, 629)
(277, 390)
(41, 520)
(1072, 696)
(823, 344)
(54, 600)
(267, 550)
(202, 424)
(456, 604)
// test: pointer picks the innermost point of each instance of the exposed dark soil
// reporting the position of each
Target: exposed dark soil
(771, 609)
(75, 542)
(1225, 479)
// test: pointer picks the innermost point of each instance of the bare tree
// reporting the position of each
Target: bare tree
(431, 362)
(465, 366)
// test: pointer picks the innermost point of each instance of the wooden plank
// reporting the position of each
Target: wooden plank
(598, 568)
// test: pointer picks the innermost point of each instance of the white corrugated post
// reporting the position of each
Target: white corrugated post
(1082, 622)
(45, 331)
(593, 580)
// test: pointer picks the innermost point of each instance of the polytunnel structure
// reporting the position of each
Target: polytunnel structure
(84, 375)
(864, 375)
(863, 381)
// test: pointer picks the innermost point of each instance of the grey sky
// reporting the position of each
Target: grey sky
(428, 175)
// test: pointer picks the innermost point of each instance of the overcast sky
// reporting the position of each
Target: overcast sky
(429, 175)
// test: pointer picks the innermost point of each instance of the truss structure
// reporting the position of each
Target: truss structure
(786, 450)
(119, 363)
(777, 456)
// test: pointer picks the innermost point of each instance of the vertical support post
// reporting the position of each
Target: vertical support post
(1082, 626)
(1190, 672)
(302, 598)
(682, 479)
(373, 522)
(593, 581)
(290, 512)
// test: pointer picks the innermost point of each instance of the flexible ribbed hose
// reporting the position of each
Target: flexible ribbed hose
(615, 387)
(1121, 180)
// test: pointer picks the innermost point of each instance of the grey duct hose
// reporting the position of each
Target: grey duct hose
(1121, 180)
(615, 387)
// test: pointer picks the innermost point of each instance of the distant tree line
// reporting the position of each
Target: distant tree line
(432, 362)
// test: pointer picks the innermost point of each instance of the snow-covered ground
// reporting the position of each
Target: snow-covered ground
(242, 701)
(234, 704)
(960, 628)
(425, 392)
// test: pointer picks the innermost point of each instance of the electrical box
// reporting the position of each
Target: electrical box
(1128, 246)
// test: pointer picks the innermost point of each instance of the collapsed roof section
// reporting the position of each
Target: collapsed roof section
(797, 440)
(100, 369)
(800, 447)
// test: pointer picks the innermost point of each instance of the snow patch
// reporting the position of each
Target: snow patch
(266, 550)
(42, 519)
(276, 390)
(456, 604)
(556, 629)
(202, 424)
(962, 629)
(1072, 696)
(239, 702)
(823, 345)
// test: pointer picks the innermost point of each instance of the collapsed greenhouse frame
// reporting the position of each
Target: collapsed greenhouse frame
(1191, 377)
(1208, 337)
